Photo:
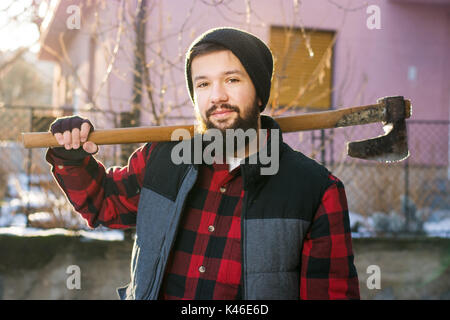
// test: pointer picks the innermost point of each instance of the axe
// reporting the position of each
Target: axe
(390, 147)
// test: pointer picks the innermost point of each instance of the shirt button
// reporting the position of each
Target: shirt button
(223, 189)
(211, 228)
(60, 167)
(202, 269)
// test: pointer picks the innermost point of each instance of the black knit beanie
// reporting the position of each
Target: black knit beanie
(253, 53)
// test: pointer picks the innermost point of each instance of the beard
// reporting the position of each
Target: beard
(245, 120)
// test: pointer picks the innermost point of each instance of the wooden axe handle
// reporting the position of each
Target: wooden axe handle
(108, 136)
(310, 121)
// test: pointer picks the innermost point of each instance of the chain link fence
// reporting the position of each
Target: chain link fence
(417, 189)
(400, 196)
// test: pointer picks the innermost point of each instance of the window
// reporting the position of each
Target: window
(303, 67)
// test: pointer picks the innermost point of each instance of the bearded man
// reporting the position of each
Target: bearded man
(222, 230)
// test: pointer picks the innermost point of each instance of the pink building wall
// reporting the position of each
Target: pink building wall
(411, 35)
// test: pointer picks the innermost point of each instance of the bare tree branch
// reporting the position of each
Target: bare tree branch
(115, 51)
(17, 55)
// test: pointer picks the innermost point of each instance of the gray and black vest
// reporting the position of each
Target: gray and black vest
(277, 211)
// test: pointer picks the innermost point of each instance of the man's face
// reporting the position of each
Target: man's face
(224, 94)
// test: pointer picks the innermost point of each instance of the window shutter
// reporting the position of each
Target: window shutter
(303, 74)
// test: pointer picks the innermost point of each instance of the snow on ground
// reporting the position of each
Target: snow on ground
(362, 224)
(105, 235)
(438, 228)
(438, 225)
(18, 188)
(17, 226)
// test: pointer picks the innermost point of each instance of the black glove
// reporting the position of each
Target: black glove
(61, 125)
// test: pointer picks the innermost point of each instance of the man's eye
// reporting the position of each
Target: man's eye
(202, 85)
(233, 80)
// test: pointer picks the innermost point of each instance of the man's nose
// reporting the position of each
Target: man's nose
(218, 94)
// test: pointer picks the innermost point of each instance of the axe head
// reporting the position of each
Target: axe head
(391, 147)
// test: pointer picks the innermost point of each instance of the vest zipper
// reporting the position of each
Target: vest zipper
(150, 286)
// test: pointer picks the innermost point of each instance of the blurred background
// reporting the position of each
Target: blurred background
(121, 63)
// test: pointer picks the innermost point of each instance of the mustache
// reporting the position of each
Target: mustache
(223, 106)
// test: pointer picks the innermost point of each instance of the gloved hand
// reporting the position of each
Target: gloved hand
(72, 132)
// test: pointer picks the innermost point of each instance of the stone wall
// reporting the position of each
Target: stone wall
(36, 267)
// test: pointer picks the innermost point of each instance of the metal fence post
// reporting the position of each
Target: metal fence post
(30, 156)
(406, 197)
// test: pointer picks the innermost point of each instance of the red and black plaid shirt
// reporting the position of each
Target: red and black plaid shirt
(205, 262)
